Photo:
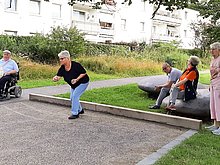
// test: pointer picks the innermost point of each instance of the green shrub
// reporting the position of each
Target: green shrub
(104, 49)
(45, 48)
(7, 42)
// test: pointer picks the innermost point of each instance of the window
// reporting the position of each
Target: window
(79, 15)
(110, 2)
(185, 33)
(123, 24)
(11, 5)
(154, 29)
(34, 7)
(171, 30)
(32, 33)
(142, 26)
(186, 14)
(11, 32)
(105, 25)
(56, 10)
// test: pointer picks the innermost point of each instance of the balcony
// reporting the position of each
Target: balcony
(165, 38)
(94, 29)
(89, 28)
(107, 33)
(84, 5)
(168, 17)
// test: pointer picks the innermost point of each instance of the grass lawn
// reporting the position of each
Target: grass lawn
(204, 78)
(129, 96)
(202, 148)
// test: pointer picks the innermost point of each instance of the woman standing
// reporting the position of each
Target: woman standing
(75, 75)
(215, 88)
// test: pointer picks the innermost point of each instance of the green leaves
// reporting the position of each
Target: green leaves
(171, 4)
(209, 9)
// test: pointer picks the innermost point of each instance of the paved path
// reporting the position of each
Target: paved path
(39, 133)
(97, 84)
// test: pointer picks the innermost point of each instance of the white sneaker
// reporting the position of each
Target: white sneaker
(216, 132)
(211, 128)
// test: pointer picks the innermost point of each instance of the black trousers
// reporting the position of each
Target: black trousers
(3, 80)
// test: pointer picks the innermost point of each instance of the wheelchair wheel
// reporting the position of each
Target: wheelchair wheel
(18, 91)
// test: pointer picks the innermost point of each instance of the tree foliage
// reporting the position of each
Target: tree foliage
(208, 32)
(210, 9)
(170, 4)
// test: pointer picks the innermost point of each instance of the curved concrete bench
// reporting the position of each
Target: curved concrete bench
(197, 107)
(148, 85)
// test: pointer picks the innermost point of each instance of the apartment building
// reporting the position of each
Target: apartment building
(114, 22)
(27, 17)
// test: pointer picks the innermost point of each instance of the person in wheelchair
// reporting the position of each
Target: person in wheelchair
(8, 72)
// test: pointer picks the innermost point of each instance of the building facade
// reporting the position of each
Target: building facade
(114, 22)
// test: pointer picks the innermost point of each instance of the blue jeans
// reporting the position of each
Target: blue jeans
(74, 97)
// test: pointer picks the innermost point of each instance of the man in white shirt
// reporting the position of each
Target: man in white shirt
(8, 67)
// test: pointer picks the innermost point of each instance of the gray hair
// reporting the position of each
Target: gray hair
(215, 45)
(64, 54)
(194, 60)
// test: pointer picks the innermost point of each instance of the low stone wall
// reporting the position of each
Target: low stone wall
(126, 112)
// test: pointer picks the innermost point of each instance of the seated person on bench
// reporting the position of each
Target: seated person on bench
(173, 75)
(8, 67)
(186, 87)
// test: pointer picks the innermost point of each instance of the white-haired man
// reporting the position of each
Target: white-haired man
(8, 67)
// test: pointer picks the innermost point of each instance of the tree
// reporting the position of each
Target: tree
(208, 32)
(209, 9)
(202, 38)
(170, 4)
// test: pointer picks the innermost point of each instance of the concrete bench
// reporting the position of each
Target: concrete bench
(196, 107)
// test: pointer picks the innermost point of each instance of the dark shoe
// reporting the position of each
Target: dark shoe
(73, 117)
(154, 107)
(81, 112)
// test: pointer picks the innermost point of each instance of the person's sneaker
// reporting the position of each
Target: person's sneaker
(216, 132)
(81, 112)
(73, 117)
(154, 107)
(171, 108)
(211, 128)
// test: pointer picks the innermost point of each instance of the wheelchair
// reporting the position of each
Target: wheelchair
(11, 89)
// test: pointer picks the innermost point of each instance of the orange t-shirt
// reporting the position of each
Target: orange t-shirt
(190, 75)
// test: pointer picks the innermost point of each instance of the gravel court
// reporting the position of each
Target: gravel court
(40, 133)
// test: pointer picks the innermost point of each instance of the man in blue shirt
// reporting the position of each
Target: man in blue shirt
(7, 68)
